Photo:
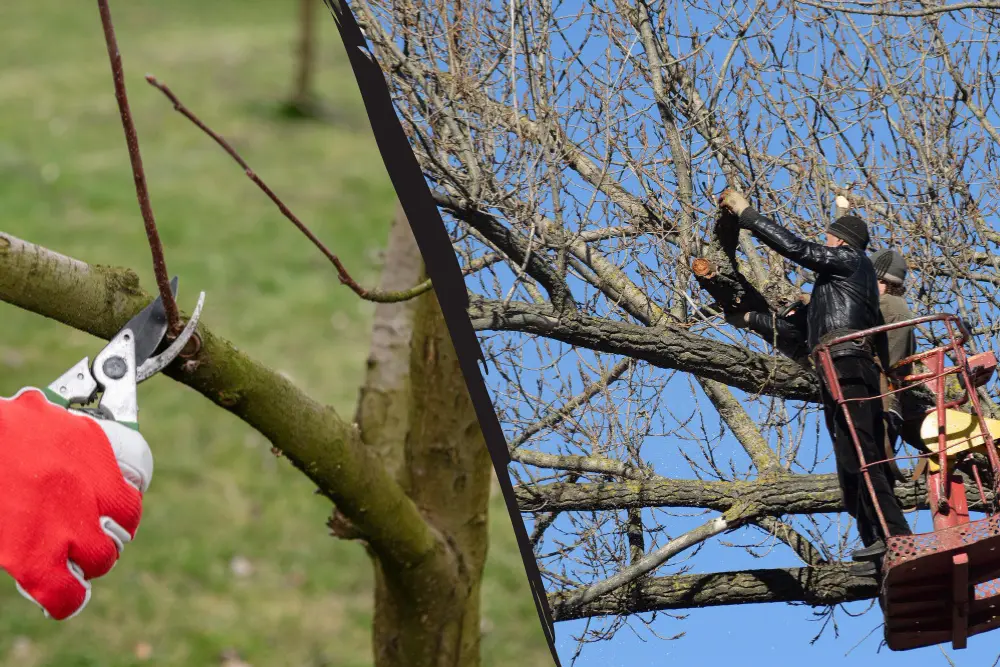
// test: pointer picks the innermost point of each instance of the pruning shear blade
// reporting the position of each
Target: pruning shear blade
(123, 363)
(154, 365)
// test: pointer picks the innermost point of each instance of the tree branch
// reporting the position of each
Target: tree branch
(718, 273)
(138, 173)
(644, 565)
(817, 586)
(376, 295)
(789, 494)
(579, 464)
(666, 347)
(798, 542)
(512, 245)
(929, 11)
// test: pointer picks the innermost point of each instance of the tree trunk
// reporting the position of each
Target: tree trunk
(302, 100)
(415, 387)
(382, 414)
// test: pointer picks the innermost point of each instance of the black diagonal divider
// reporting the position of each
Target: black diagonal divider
(443, 270)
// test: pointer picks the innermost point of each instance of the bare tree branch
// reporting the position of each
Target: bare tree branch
(138, 173)
(818, 586)
(882, 11)
(379, 296)
(645, 565)
(798, 542)
(672, 348)
(783, 496)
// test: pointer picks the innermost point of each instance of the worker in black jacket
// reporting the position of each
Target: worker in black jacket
(844, 299)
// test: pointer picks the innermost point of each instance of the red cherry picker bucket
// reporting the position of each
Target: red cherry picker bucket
(943, 585)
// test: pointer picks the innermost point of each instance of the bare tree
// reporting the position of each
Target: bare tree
(577, 150)
(409, 476)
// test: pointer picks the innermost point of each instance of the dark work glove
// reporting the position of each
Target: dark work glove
(791, 309)
(738, 320)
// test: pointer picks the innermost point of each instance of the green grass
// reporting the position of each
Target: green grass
(218, 493)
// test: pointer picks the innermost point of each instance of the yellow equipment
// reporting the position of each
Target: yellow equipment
(962, 433)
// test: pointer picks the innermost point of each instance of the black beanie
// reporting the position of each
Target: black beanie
(890, 266)
(850, 229)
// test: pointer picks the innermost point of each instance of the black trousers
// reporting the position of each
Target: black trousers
(859, 378)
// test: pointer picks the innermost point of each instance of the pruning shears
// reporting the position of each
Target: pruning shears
(125, 361)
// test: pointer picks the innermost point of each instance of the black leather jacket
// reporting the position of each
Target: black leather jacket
(845, 294)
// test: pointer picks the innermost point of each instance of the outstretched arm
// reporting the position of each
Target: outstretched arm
(813, 256)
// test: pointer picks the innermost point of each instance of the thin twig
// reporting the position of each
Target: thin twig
(342, 273)
(141, 192)
(927, 11)
(651, 561)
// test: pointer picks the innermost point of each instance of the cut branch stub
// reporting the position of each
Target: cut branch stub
(703, 268)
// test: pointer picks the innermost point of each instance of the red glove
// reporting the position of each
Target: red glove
(72, 497)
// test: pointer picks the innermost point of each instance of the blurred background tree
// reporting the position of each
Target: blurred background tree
(303, 102)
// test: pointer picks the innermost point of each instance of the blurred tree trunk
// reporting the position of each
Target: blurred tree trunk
(415, 412)
(302, 101)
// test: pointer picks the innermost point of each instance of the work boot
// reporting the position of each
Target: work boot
(873, 552)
